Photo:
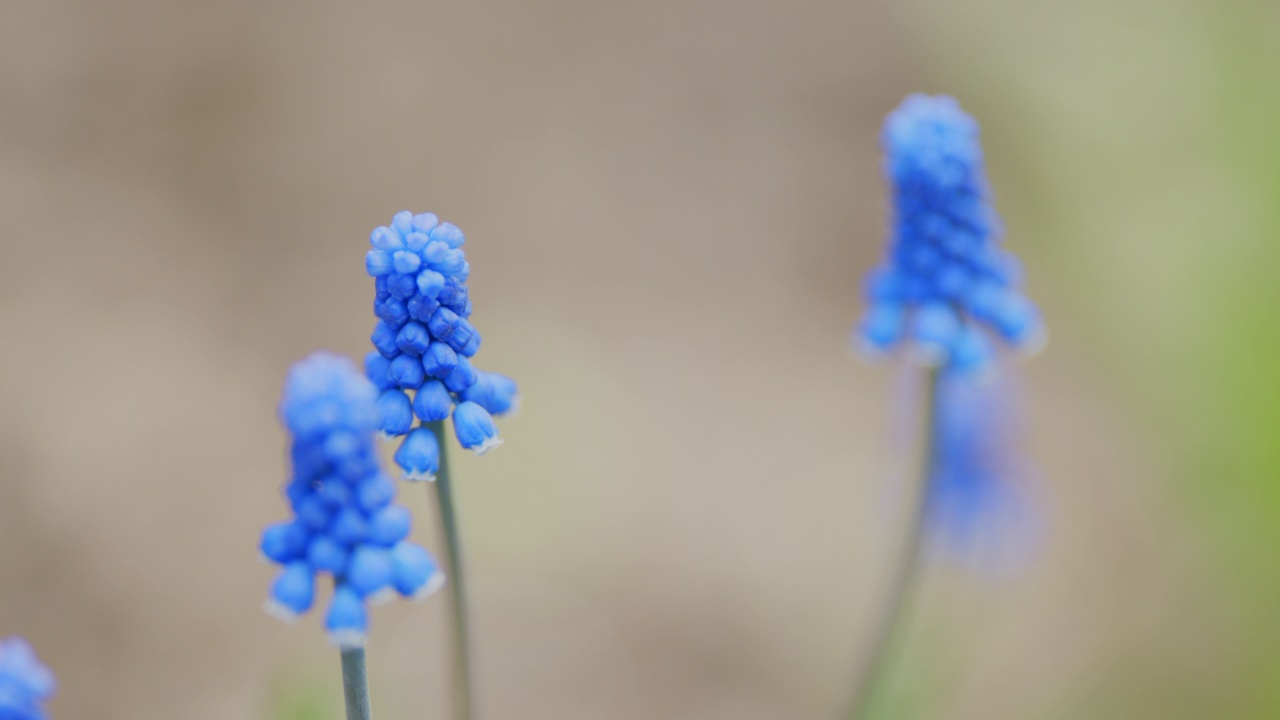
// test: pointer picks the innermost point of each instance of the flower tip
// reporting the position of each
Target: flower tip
(429, 588)
(381, 597)
(487, 445)
(417, 476)
(347, 639)
(279, 610)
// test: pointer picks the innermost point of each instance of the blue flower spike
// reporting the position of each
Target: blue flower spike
(25, 684)
(424, 342)
(346, 522)
(946, 295)
(946, 289)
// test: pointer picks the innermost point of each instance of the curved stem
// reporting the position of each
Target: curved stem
(462, 692)
(906, 577)
(355, 684)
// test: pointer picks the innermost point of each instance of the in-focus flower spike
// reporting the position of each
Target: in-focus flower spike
(25, 684)
(424, 341)
(346, 522)
(946, 284)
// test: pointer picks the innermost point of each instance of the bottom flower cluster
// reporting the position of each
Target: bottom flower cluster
(473, 409)
(346, 523)
(25, 684)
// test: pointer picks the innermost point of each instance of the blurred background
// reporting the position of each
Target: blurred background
(670, 206)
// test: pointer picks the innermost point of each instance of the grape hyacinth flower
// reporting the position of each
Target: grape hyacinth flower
(946, 287)
(424, 342)
(423, 345)
(945, 293)
(346, 523)
(25, 684)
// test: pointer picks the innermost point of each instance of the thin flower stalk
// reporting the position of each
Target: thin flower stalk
(946, 294)
(421, 363)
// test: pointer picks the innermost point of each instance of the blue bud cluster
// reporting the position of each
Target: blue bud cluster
(345, 523)
(424, 341)
(25, 684)
(946, 285)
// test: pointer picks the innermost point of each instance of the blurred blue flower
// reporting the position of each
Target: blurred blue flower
(345, 521)
(25, 684)
(424, 341)
(979, 497)
(946, 286)
(496, 393)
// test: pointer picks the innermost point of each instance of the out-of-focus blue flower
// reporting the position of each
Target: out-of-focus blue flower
(496, 393)
(946, 286)
(979, 495)
(424, 341)
(345, 520)
(25, 684)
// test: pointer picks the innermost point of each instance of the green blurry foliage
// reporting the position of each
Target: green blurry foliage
(1140, 139)
(305, 699)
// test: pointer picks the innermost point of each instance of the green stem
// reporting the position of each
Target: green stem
(462, 692)
(355, 684)
(902, 591)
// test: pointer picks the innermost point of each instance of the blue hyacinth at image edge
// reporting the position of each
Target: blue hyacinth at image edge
(424, 341)
(946, 287)
(346, 523)
(25, 684)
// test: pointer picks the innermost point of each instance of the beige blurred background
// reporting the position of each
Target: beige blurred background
(669, 208)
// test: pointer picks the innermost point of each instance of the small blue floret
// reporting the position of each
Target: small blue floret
(407, 371)
(432, 401)
(395, 412)
(475, 429)
(413, 339)
(370, 571)
(389, 526)
(293, 591)
(378, 263)
(461, 377)
(496, 393)
(283, 543)
(347, 621)
(419, 455)
(439, 360)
